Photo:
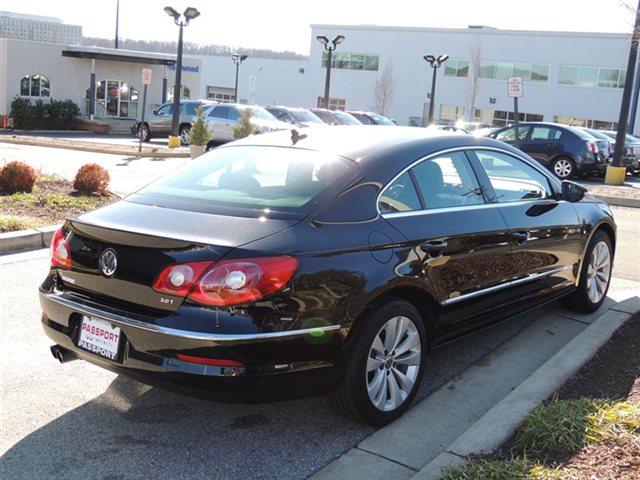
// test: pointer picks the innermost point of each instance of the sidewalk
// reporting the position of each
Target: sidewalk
(482, 407)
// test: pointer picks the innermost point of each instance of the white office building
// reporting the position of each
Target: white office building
(567, 77)
(37, 28)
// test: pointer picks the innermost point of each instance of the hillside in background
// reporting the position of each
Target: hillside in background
(189, 48)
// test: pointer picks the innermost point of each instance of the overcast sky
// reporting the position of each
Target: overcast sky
(284, 24)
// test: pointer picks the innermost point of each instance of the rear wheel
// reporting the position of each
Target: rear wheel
(144, 133)
(563, 168)
(184, 134)
(384, 368)
(594, 277)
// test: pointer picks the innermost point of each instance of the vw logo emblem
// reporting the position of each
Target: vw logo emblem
(108, 262)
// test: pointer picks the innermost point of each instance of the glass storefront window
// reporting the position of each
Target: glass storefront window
(115, 98)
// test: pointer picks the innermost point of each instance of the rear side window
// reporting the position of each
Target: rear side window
(512, 179)
(219, 112)
(400, 196)
(545, 133)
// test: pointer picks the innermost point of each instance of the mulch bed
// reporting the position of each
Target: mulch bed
(47, 213)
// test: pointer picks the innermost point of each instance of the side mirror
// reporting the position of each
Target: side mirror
(572, 192)
(155, 111)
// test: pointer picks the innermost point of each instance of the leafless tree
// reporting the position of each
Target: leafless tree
(385, 88)
(473, 78)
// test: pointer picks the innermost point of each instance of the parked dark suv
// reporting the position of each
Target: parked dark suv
(566, 151)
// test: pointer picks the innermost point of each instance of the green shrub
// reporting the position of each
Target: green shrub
(17, 177)
(92, 178)
(244, 128)
(54, 114)
(199, 133)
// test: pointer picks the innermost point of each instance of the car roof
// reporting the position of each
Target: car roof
(361, 142)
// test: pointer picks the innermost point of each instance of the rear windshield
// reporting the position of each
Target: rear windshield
(256, 177)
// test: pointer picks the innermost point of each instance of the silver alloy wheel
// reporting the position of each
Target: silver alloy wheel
(184, 135)
(393, 363)
(598, 271)
(143, 132)
(563, 168)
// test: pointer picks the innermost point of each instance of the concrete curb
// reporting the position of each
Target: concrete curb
(619, 201)
(24, 240)
(500, 423)
(108, 148)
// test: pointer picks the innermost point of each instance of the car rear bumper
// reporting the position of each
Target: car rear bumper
(243, 367)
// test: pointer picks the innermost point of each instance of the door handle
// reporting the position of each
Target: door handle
(521, 237)
(434, 249)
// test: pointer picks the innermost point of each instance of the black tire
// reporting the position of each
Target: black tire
(370, 364)
(184, 134)
(144, 133)
(563, 167)
(595, 276)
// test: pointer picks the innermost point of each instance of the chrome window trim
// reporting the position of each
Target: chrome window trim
(212, 337)
(538, 168)
(529, 278)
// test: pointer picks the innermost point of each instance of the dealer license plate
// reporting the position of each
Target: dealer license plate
(100, 337)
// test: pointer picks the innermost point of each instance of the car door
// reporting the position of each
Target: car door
(543, 143)
(460, 241)
(545, 232)
(219, 124)
(160, 121)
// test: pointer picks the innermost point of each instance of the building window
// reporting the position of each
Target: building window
(352, 61)
(456, 67)
(530, 72)
(595, 77)
(185, 93)
(114, 98)
(501, 118)
(221, 94)
(35, 86)
(450, 114)
(586, 122)
(334, 103)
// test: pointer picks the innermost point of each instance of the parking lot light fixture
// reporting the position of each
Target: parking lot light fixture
(329, 46)
(435, 62)
(237, 60)
(189, 14)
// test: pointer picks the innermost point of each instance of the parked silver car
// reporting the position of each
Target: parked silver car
(222, 118)
(159, 121)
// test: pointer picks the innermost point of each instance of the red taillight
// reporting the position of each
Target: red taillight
(592, 146)
(230, 282)
(60, 250)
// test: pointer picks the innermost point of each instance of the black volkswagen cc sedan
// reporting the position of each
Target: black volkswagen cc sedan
(333, 260)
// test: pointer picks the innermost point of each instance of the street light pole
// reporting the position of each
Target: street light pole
(189, 14)
(237, 60)
(435, 62)
(329, 46)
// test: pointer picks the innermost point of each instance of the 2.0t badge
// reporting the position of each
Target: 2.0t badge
(108, 262)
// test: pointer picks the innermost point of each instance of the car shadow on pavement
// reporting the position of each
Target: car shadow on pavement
(136, 431)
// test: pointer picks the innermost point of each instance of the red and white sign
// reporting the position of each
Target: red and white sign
(100, 337)
(514, 87)
(146, 76)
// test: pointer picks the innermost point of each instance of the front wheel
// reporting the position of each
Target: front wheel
(384, 368)
(594, 277)
(563, 168)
